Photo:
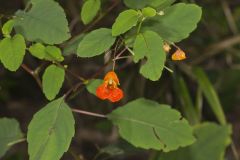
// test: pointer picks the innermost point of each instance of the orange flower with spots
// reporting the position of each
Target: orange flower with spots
(178, 55)
(109, 88)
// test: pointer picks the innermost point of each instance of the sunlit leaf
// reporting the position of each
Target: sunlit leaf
(125, 21)
(95, 43)
(12, 51)
(89, 10)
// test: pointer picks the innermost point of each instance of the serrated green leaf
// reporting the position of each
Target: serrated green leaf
(12, 51)
(125, 21)
(95, 43)
(7, 28)
(45, 22)
(89, 10)
(210, 94)
(147, 124)
(37, 50)
(211, 144)
(177, 22)
(149, 12)
(53, 53)
(150, 44)
(50, 131)
(93, 84)
(52, 81)
(9, 133)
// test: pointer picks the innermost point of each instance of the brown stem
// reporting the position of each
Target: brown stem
(33, 74)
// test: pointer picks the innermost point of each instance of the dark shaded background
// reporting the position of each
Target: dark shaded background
(214, 46)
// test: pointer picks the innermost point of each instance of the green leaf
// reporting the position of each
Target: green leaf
(89, 10)
(53, 53)
(9, 133)
(12, 51)
(149, 44)
(7, 28)
(125, 21)
(147, 124)
(93, 84)
(211, 144)
(71, 47)
(53, 79)
(50, 131)
(45, 22)
(210, 94)
(37, 50)
(149, 12)
(95, 43)
(177, 22)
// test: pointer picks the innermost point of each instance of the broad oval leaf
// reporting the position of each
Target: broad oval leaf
(37, 50)
(149, 12)
(53, 53)
(12, 51)
(45, 22)
(89, 10)
(149, 44)
(9, 133)
(147, 124)
(50, 131)
(52, 81)
(7, 28)
(125, 21)
(95, 43)
(212, 141)
(177, 22)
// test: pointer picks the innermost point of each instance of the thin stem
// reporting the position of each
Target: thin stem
(16, 142)
(139, 26)
(70, 72)
(89, 113)
(123, 57)
(168, 69)
(33, 74)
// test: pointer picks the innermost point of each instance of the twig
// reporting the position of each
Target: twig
(33, 74)
(16, 142)
(89, 113)
(214, 49)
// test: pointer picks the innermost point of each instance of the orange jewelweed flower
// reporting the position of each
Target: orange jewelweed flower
(178, 55)
(109, 88)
